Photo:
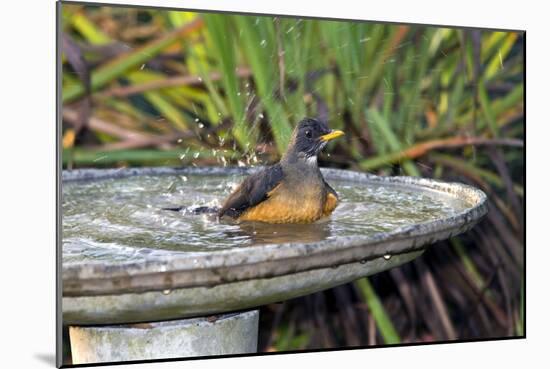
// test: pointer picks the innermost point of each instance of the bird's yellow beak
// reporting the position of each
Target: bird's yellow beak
(332, 135)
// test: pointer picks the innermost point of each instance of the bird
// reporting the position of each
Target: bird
(291, 191)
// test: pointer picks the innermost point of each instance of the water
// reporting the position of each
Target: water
(117, 220)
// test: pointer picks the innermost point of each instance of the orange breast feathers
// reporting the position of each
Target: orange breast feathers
(287, 206)
(330, 204)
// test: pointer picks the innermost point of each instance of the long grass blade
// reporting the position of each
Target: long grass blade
(383, 321)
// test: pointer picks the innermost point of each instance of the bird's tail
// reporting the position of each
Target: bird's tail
(195, 209)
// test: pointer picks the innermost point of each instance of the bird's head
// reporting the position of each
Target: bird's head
(309, 137)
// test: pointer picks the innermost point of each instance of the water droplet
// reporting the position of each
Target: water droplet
(196, 119)
(387, 256)
(180, 140)
(263, 43)
(201, 125)
(166, 292)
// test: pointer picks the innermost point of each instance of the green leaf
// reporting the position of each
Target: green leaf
(383, 321)
(383, 128)
(258, 46)
(487, 110)
(223, 45)
(90, 32)
(159, 101)
(139, 156)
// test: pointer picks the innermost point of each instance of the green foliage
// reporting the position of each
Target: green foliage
(394, 90)
(401, 84)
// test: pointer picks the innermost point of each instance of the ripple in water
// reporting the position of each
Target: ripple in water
(118, 220)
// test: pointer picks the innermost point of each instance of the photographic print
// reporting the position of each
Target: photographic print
(245, 184)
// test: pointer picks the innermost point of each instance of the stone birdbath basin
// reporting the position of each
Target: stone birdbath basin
(134, 272)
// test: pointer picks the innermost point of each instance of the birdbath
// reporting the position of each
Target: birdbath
(140, 282)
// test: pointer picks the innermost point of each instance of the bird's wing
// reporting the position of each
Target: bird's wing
(252, 191)
(331, 201)
(330, 189)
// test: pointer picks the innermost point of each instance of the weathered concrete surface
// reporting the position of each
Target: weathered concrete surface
(229, 334)
(169, 304)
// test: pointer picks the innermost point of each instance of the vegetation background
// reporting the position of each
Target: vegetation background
(155, 87)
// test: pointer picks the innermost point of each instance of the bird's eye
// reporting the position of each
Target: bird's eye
(308, 134)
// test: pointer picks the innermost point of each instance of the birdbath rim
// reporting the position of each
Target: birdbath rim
(208, 269)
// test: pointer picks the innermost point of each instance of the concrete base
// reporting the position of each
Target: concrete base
(218, 335)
